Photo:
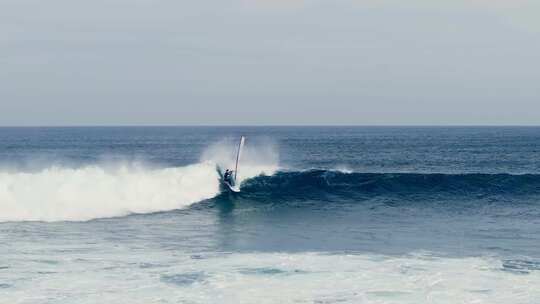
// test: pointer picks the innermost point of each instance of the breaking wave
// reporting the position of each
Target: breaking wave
(62, 193)
(90, 192)
(78, 194)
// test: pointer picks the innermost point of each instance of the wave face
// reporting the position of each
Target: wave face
(319, 184)
(77, 194)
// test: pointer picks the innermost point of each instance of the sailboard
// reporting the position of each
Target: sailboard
(232, 183)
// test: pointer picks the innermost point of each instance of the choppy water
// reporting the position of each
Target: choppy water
(326, 215)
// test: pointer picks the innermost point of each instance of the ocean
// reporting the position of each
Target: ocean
(325, 215)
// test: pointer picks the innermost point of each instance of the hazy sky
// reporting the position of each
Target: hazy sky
(118, 62)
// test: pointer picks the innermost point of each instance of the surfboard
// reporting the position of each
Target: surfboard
(231, 187)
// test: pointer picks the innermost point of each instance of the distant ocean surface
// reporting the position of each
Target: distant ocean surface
(325, 215)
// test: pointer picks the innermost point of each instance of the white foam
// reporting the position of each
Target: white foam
(77, 194)
(116, 275)
(344, 278)
(343, 169)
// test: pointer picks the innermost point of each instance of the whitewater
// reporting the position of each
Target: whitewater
(77, 194)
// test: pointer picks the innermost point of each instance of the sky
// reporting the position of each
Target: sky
(269, 62)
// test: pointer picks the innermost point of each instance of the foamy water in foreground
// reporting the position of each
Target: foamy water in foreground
(117, 275)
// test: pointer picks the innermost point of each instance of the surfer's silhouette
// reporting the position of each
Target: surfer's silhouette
(227, 176)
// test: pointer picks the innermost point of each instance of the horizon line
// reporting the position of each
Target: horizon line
(263, 125)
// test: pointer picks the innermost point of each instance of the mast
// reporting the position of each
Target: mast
(240, 146)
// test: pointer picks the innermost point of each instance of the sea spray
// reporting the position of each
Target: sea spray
(259, 157)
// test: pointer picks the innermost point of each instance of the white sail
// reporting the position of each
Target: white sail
(238, 155)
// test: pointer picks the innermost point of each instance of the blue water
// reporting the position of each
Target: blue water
(512, 150)
(118, 208)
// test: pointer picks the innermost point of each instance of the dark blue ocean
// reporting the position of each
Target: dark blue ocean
(325, 215)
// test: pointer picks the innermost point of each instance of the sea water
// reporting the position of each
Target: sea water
(325, 215)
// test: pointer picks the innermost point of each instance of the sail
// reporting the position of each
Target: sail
(238, 155)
